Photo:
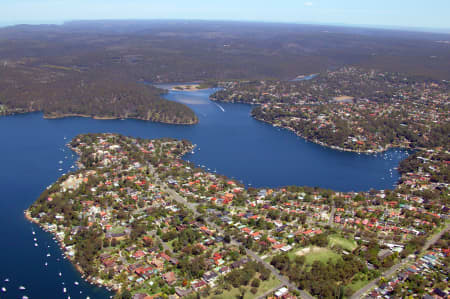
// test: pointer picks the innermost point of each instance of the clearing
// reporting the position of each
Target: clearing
(346, 244)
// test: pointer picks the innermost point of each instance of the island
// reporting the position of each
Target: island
(137, 218)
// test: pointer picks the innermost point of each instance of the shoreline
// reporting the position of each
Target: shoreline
(91, 280)
(193, 87)
(62, 247)
(334, 147)
(69, 253)
(377, 151)
(45, 116)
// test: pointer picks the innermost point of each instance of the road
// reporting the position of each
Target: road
(435, 238)
(331, 219)
(193, 207)
(360, 293)
(271, 291)
(280, 277)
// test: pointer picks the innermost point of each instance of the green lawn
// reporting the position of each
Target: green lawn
(345, 244)
(322, 255)
(359, 281)
(318, 254)
(170, 244)
(117, 229)
(263, 287)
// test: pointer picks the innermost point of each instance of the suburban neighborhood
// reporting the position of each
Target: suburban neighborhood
(135, 217)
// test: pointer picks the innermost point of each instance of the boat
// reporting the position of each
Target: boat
(24, 297)
(6, 280)
(64, 290)
(33, 232)
(46, 264)
(3, 289)
(76, 283)
(48, 254)
(60, 274)
(35, 244)
(22, 288)
(60, 162)
(34, 239)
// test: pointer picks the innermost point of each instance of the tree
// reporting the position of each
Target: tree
(255, 283)
(123, 295)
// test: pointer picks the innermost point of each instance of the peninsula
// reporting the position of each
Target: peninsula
(137, 218)
(351, 109)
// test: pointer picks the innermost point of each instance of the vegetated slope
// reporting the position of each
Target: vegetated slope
(54, 68)
(68, 93)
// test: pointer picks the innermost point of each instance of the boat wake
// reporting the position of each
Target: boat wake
(220, 107)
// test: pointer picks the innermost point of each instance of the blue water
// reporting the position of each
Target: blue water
(229, 141)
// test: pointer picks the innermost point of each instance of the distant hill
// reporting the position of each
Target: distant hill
(92, 67)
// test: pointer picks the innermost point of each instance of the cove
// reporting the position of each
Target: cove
(33, 155)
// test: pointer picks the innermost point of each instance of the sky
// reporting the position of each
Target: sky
(432, 14)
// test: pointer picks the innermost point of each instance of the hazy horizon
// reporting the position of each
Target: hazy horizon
(399, 14)
(368, 26)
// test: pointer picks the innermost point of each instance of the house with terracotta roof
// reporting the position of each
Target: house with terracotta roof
(169, 278)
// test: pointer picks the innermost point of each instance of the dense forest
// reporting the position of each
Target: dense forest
(90, 94)
(97, 68)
